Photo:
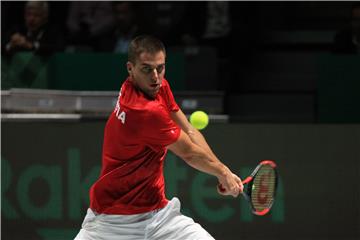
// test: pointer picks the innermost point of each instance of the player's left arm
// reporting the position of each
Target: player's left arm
(198, 139)
(194, 134)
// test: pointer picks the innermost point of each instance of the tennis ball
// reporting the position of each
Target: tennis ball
(199, 119)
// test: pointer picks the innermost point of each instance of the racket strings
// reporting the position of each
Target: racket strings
(263, 188)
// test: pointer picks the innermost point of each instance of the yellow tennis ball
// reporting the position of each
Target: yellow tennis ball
(199, 119)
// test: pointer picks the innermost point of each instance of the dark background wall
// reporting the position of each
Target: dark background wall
(280, 62)
(47, 168)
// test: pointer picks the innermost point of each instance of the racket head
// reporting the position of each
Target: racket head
(260, 187)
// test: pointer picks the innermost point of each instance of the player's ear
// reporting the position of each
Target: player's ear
(129, 67)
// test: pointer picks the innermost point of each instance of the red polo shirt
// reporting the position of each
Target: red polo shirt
(135, 139)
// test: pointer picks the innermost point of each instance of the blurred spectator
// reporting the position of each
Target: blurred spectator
(212, 27)
(218, 25)
(163, 20)
(124, 29)
(347, 41)
(87, 21)
(35, 34)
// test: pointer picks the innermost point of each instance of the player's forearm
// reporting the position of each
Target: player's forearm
(197, 138)
(202, 160)
(194, 134)
(197, 154)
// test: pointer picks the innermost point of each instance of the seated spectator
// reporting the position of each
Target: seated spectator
(124, 29)
(87, 21)
(347, 41)
(35, 34)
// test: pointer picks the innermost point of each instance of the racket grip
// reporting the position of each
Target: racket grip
(245, 196)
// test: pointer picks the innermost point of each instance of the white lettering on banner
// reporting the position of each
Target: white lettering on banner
(121, 115)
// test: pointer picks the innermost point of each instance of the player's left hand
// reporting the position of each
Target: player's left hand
(231, 185)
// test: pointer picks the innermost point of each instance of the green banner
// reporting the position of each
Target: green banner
(48, 167)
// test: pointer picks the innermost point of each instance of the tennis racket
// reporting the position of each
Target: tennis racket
(260, 187)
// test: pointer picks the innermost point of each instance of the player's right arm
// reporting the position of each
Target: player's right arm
(204, 161)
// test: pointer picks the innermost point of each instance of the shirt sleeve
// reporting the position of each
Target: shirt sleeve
(171, 103)
(159, 129)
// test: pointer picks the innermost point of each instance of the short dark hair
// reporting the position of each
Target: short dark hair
(144, 43)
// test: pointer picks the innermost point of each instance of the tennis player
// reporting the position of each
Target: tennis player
(128, 200)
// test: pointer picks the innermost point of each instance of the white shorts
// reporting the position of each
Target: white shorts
(166, 223)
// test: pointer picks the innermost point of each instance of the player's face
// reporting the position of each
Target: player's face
(147, 73)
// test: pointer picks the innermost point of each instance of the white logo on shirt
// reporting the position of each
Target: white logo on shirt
(121, 115)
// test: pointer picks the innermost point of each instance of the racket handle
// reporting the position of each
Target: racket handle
(244, 194)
